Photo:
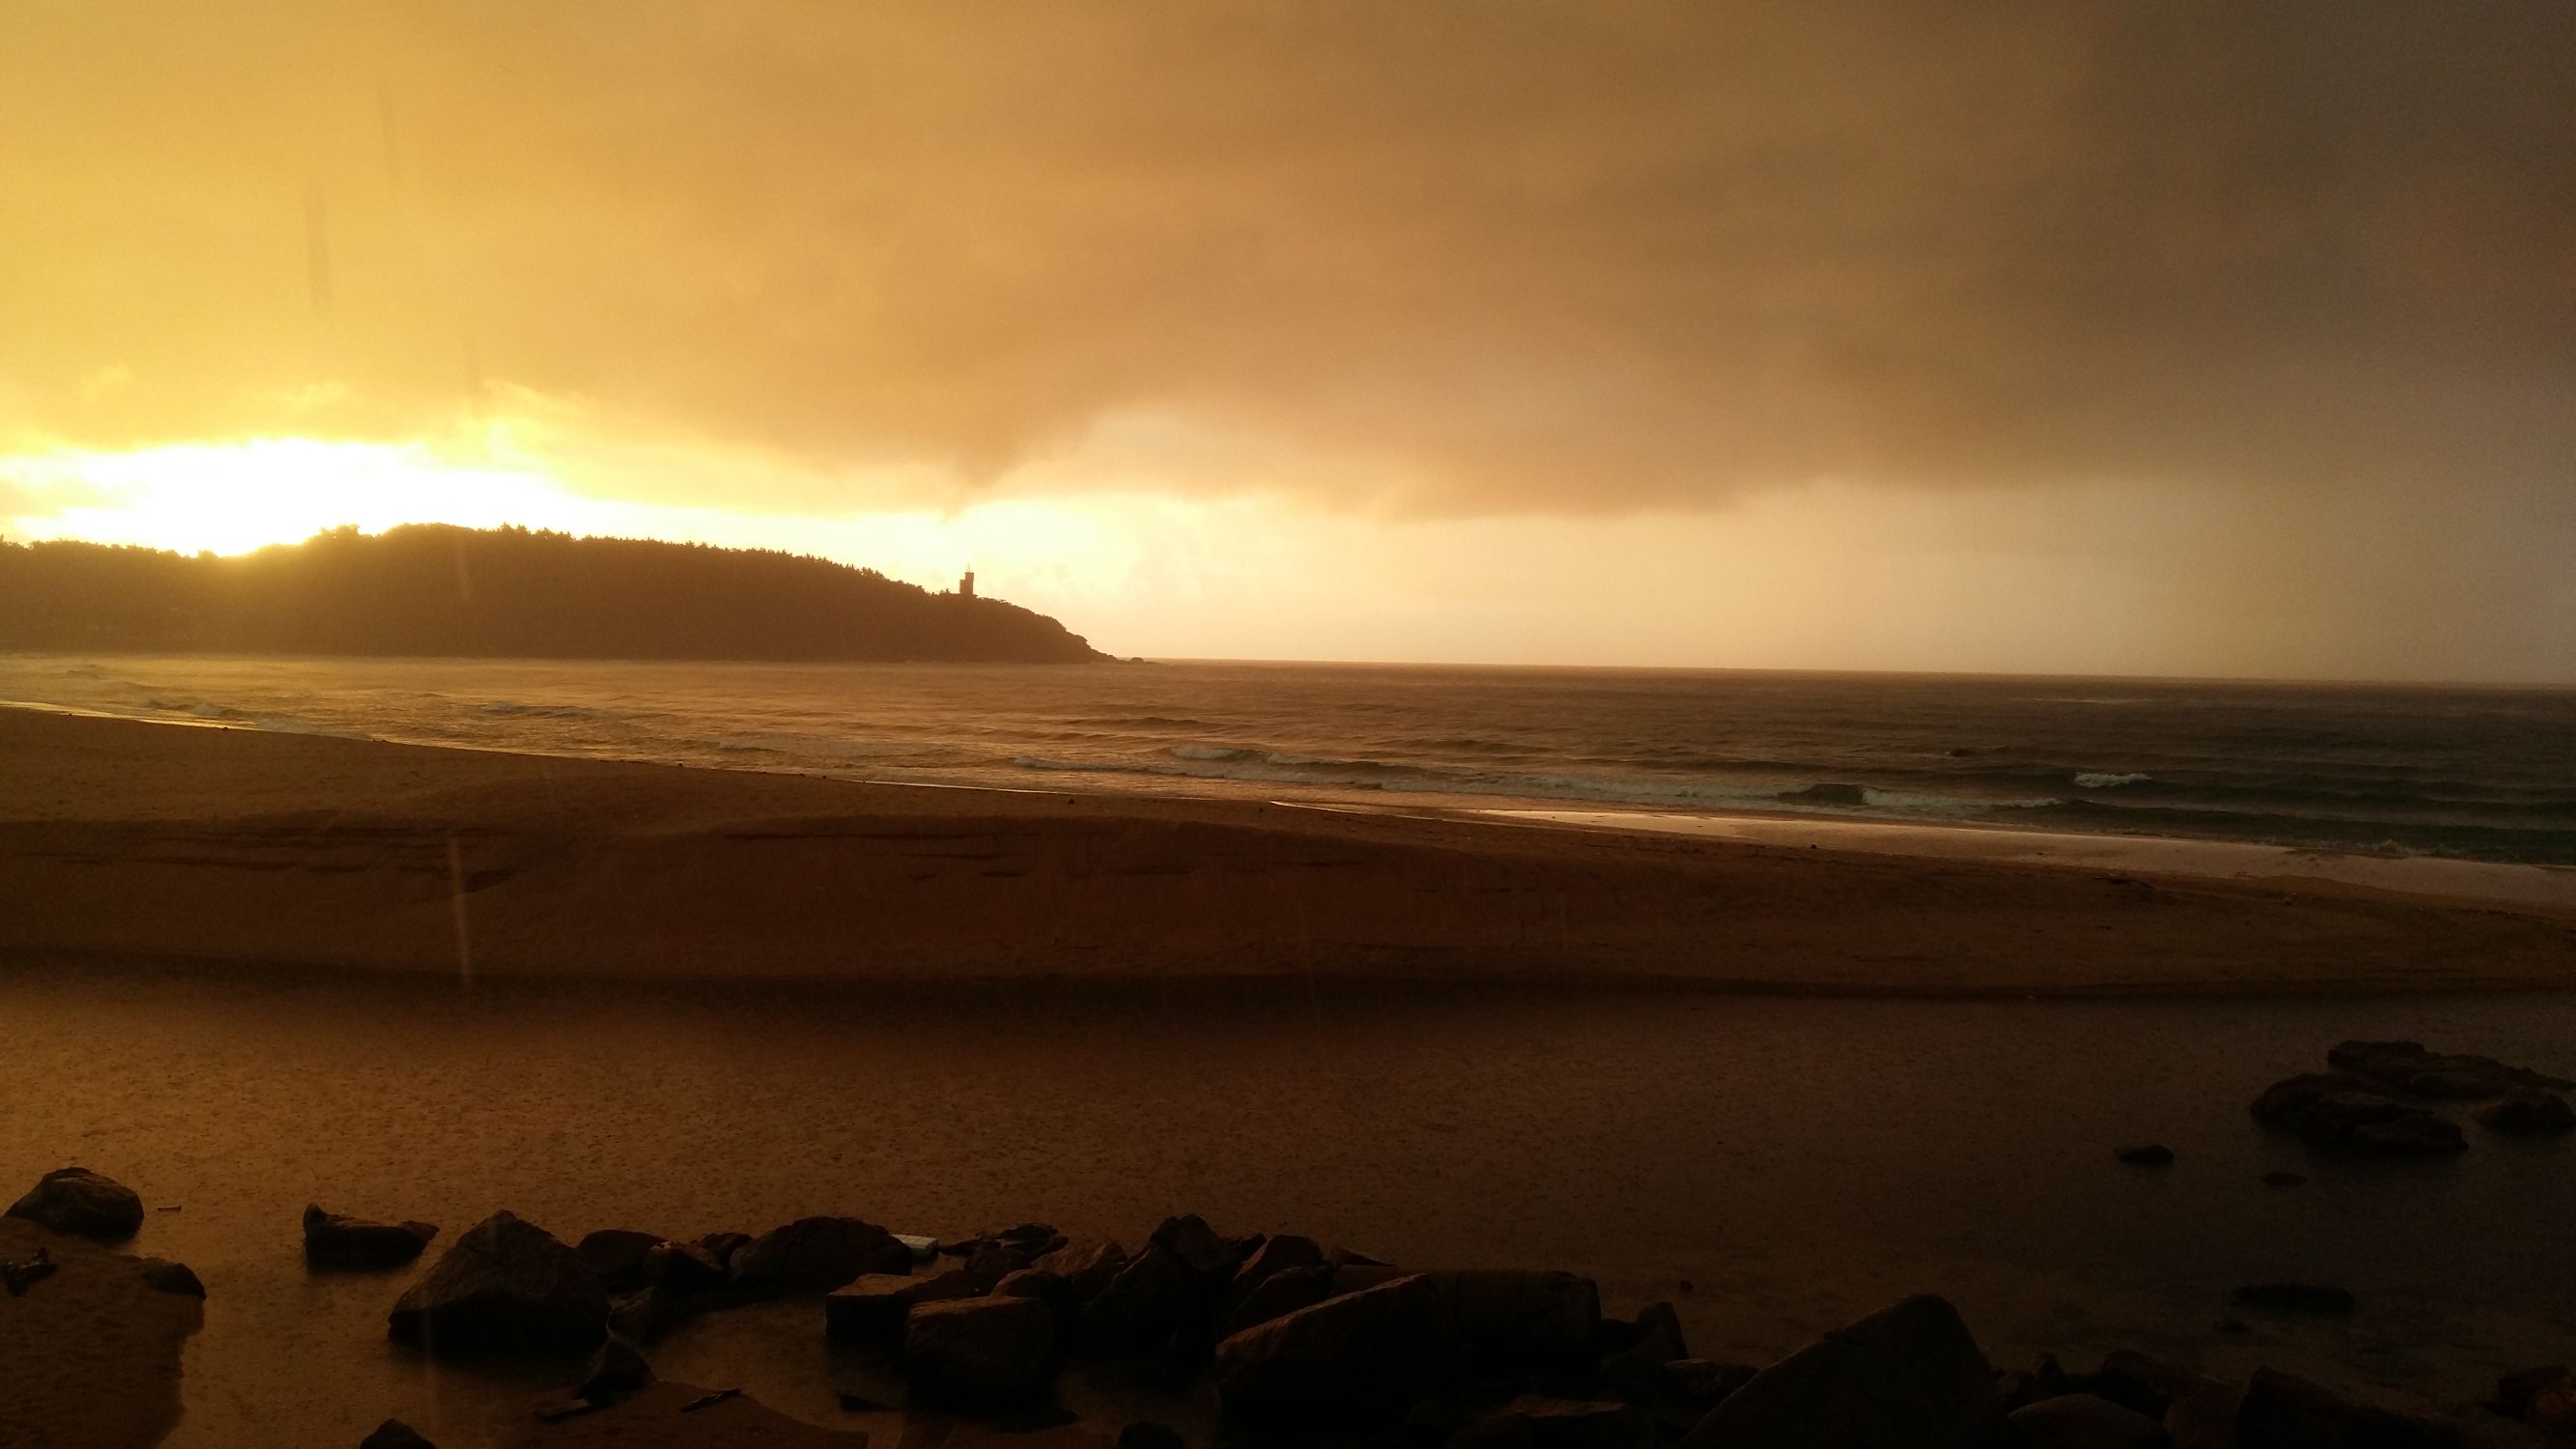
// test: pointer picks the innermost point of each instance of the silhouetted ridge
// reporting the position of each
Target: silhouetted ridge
(428, 589)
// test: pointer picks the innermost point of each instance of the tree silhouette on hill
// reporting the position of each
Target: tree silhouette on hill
(430, 589)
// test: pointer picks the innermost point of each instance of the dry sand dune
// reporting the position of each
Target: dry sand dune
(129, 840)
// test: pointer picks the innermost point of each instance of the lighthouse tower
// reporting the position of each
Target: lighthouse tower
(966, 585)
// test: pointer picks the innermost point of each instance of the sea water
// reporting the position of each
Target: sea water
(2483, 774)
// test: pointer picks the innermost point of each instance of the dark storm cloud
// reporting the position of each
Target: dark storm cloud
(1563, 256)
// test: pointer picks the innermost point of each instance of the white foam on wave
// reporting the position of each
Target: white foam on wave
(2100, 780)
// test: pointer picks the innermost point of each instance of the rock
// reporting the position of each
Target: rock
(83, 1203)
(1535, 1422)
(2285, 1179)
(1197, 1246)
(2526, 1109)
(1905, 1377)
(2206, 1419)
(19, 1275)
(332, 1240)
(2153, 1154)
(1151, 1298)
(2292, 1413)
(872, 1307)
(1146, 1434)
(2021, 1388)
(2407, 1066)
(979, 1354)
(1635, 1370)
(1028, 1233)
(2338, 1109)
(614, 1372)
(1277, 1253)
(2081, 1421)
(2141, 1382)
(1088, 1267)
(1360, 1357)
(1284, 1291)
(1518, 1321)
(2518, 1393)
(506, 1286)
(395, 1434)
(992, 1262)
(1048, 1288)
(681, 1269)
(616, 1256)
(168, 1277)
(2292, 1298)
(723, 1246)
(1700, 1382)
(816, 1255)
(640, 1316)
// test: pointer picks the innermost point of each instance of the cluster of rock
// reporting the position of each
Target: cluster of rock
(2374, 1099)
(1299, 1339)
(86, 1204)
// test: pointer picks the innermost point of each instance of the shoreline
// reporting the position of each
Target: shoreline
(247, 849)
(2450, 879)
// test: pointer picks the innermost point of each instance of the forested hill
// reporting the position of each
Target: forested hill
(428, 589)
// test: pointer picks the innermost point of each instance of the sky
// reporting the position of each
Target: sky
(2030, 337)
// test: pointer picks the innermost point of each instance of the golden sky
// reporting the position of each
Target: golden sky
(2049, 336)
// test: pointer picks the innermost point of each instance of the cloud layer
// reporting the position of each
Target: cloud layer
(1445, 257)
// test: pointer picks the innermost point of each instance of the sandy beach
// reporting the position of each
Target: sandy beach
(138, 842)
(233, 964)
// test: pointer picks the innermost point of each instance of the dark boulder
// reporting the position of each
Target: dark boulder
(1518, 1321)
(1150, 1299)
(2409, 1067)
(723, 1246)
(333, 1240)
(395, 1434)
(1905, 1377)
(1277, 1253)
(614, 1372)
(1146, 1434)
(2153, 1154)
(2536, 1395)
(2081, 1421)
(2143, 1382)
(83, 1203)
(872, 1307)
(816, 1255)
(507, 1286)
(982, 1355)
(681, 1269)
(1635, 1369)
(992, 1262)
(1284, 1291)
(616, 1256)
(2293, 1298)
(2338, 1109)
(1704, 1383)
(2282, 1412)
(1048, 1288)
(1361, 1357)
(1088, 1267)
(640, 1316)
(1535, 1422)
(2526, 1109)
(2044, 1379)
(163, 1276)
(1188, 1238)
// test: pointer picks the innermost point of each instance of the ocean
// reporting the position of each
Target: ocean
(2479, 774)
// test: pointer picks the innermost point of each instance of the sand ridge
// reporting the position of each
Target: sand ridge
(239, 849)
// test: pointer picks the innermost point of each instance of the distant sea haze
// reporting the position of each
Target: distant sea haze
(2476, 774)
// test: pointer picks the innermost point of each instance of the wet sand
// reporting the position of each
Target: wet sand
(1799, 1161)
(124, 841)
